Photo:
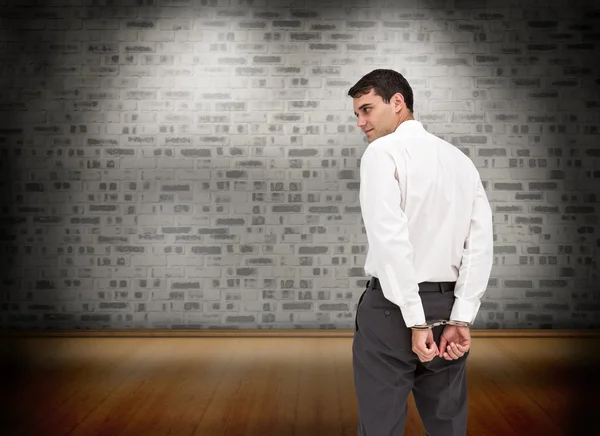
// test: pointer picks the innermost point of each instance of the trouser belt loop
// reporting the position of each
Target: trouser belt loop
(441, 288)
(372, 283)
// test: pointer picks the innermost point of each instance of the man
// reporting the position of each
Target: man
(430, 240)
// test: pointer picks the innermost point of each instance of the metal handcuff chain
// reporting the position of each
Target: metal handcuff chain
(438, 322)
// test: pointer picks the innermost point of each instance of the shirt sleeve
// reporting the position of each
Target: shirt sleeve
(477, 260)
(386, 226)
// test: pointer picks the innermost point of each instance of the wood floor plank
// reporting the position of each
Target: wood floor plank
(101, 380)
(112, 414)
(71, 373)
(507, 387)
(191, 374)
(345, 387)
(279, 416)
(563, 389)
(267, 375)
(484, 415)
(222, 404)
(229, 404)
(278, 405)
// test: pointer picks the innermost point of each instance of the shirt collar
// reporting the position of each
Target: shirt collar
(409, 126)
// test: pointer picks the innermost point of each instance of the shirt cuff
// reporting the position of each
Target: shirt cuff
(463, 310)
(413, 315)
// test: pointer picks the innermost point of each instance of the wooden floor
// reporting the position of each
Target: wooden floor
(272, 386)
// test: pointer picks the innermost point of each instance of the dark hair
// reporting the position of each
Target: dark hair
(386, 83)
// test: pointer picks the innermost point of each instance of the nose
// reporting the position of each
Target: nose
(360, 121)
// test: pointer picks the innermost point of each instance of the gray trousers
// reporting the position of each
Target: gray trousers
(386, 369)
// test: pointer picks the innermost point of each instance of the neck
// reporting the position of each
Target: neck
(404, 116)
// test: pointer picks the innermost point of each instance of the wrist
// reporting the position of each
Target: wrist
(423, 326)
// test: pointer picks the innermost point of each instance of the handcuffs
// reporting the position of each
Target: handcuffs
(438, 322)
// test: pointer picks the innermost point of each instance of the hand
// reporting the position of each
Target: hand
(454, 342)
(423, 345)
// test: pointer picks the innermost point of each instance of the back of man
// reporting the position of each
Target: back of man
(438, 189)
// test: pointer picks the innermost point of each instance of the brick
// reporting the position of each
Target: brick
(287, 24)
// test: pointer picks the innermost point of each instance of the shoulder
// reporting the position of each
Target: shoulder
(386, 146)
(455, 153)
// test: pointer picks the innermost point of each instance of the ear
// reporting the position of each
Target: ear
(398, 100)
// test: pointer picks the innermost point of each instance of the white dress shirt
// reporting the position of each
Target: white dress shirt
(427, 219)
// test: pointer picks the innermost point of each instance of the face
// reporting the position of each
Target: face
(375, 117)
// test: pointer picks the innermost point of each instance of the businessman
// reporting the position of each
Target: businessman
(430, 251)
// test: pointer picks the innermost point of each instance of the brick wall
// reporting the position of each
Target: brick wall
(194, 164)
